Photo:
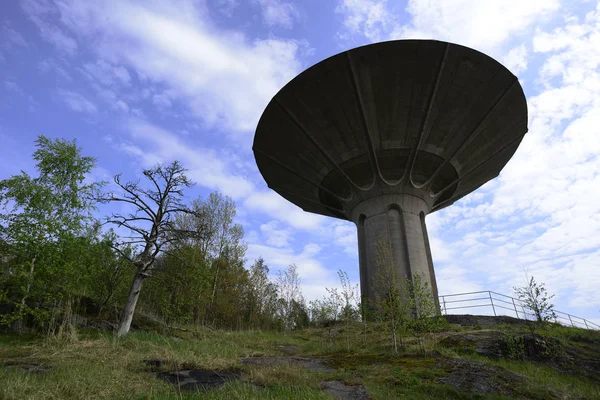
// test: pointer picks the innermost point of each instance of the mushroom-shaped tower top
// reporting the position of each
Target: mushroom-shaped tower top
(407, 125)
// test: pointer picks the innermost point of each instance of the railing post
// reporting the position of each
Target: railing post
(444, 303)
(492, 301)
(516, 312)
(586, 325)
(572, 324)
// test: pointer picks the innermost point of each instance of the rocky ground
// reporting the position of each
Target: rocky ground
(472, 357)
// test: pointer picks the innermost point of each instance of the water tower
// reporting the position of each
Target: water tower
(384, 134)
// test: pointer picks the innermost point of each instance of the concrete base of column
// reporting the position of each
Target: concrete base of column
(398, 222)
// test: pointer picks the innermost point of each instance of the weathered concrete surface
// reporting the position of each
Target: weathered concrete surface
(384, 134)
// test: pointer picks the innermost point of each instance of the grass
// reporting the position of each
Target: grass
(97, 365)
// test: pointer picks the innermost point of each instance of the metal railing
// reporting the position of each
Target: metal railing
(502, 304)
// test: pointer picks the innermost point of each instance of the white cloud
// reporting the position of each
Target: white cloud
(516, 59)
(542, 212)
(278, 13)
(314, 276)
(11, 39)
(77, 102)
(275, 235)
(207, 167)
(273, 204)
(161, 100)
(225, 78)
(48, 65)
(13, 87)
(226, 7)
(106, 74)
(342, 233)
(370, 18)
(479, 24)
(39, 12)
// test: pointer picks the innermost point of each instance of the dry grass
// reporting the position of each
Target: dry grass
(92, 365)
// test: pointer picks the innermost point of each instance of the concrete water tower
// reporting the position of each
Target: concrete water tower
(384, 134)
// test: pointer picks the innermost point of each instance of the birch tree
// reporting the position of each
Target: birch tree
(40, 218)
(392, 304)
(290, 294)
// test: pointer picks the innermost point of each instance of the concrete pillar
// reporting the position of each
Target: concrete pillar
(400, 220)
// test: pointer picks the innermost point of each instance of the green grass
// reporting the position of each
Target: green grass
(99, 366)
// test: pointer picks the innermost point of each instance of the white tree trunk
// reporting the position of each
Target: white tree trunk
(129, 309)
(19, 324)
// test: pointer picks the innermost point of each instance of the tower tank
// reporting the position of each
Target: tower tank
(384, 134)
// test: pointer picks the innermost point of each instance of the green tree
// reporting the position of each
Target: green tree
(392, 302)
(261, 300)
(108, 272)
(425, 315)
(42, 223)
(535, 297)
(218, 254)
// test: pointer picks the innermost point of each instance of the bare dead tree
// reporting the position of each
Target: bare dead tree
(152, 224)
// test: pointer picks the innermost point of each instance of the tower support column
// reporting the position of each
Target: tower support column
(391, 229)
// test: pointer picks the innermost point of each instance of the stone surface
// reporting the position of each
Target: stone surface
(340, 391)
(314, 364)
(198, 379)
(29, 368)
(384, 134)
(486, 343)
(288, 349)
(483, 320)
(479, 378)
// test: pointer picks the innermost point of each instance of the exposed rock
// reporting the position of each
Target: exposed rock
(486, 343)
(30, 368)
(288, 349)
(339, 390)
(198, 379)
(79, 321)
(314, 364)
(479, 378)
(154, 364)
(102, 325)
(540, 348)
(483, 320)
(147, 322)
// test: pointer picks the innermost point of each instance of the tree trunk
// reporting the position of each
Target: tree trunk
(129, 309)
(19, 324)
(394, 338)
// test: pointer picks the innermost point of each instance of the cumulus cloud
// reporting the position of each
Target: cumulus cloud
(370, 18)
(516, 59)
(275, 235)
(541, 214)
(313, 274)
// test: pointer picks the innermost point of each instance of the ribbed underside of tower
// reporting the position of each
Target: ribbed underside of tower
(384, 134)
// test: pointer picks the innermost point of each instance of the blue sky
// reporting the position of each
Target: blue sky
(140, 82)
